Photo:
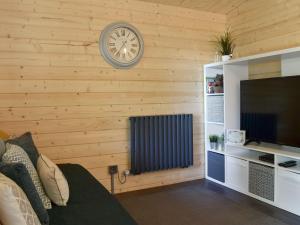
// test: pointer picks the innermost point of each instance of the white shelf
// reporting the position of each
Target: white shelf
(216, 151)
(251, 157)
(216, 123)
(254, 58)
(254, 152)
(294, 169)
(215, 94)
(273, 149)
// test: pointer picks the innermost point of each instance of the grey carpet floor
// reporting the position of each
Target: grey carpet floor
(201, 203)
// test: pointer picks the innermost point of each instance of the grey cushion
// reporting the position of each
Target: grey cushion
(19, 174)
(26, 142)
(2, 148)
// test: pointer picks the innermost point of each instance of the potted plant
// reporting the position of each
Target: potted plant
(213, 139)
(225, 45)
(221, 142)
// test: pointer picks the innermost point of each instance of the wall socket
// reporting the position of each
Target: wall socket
(113, 169)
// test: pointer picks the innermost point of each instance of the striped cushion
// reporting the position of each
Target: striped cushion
(15, 154)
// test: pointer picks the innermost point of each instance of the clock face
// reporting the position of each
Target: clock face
(121, 45)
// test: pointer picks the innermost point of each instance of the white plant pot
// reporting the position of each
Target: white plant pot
(226, 58)
(213, 145)
(221, 146)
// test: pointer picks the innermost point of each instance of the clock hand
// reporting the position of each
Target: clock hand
(121, 47)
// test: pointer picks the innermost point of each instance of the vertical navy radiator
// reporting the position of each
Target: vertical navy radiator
(161, 142)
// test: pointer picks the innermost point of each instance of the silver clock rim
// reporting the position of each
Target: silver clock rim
(105, 52)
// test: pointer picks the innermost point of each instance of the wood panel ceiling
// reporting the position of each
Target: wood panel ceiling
(216, 6)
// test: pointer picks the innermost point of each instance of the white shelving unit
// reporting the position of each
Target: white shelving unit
(231, 167)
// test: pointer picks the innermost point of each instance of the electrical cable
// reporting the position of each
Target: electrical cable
(112, 183)
(120, 180)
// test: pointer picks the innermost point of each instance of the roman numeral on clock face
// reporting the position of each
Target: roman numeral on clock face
(113, 50)
(133, 51)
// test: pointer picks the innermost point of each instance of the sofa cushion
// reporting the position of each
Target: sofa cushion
(26, 142)
(19, 174)
(15, 154)
(15, 209)
(2, 148)
(55, 183)
(89, 204)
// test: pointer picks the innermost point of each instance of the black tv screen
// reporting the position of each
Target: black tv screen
(270, 110)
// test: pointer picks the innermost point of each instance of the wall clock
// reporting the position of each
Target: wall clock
(121, 45)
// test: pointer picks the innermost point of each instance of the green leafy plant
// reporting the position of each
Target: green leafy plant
(213, 138)
(225, 43)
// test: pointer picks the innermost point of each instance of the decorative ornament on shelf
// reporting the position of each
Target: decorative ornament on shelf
(225, 45)
(236, 137)
(215, 85)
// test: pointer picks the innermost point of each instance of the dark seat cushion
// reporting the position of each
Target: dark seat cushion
(89, 204)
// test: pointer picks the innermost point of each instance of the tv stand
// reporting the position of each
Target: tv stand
(250, 141)
(240, 167)
(240, 159)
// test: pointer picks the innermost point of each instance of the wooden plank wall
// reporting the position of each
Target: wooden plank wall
(55, 84)
(263, 26)
(217, 6)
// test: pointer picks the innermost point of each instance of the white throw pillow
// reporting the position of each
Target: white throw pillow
(15, 154)
(54, 181)
(15, 209)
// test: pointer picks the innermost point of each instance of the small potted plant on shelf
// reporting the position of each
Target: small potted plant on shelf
(225, 45)
(213, 140)
(221, 142)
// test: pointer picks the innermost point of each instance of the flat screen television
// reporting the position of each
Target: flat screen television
(270, 110)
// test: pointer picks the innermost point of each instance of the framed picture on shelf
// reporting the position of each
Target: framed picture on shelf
(235, 137)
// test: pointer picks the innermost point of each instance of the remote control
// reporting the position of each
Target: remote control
(288, 164)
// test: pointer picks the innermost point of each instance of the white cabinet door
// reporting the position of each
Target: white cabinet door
(288, 191)
(237, 174)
